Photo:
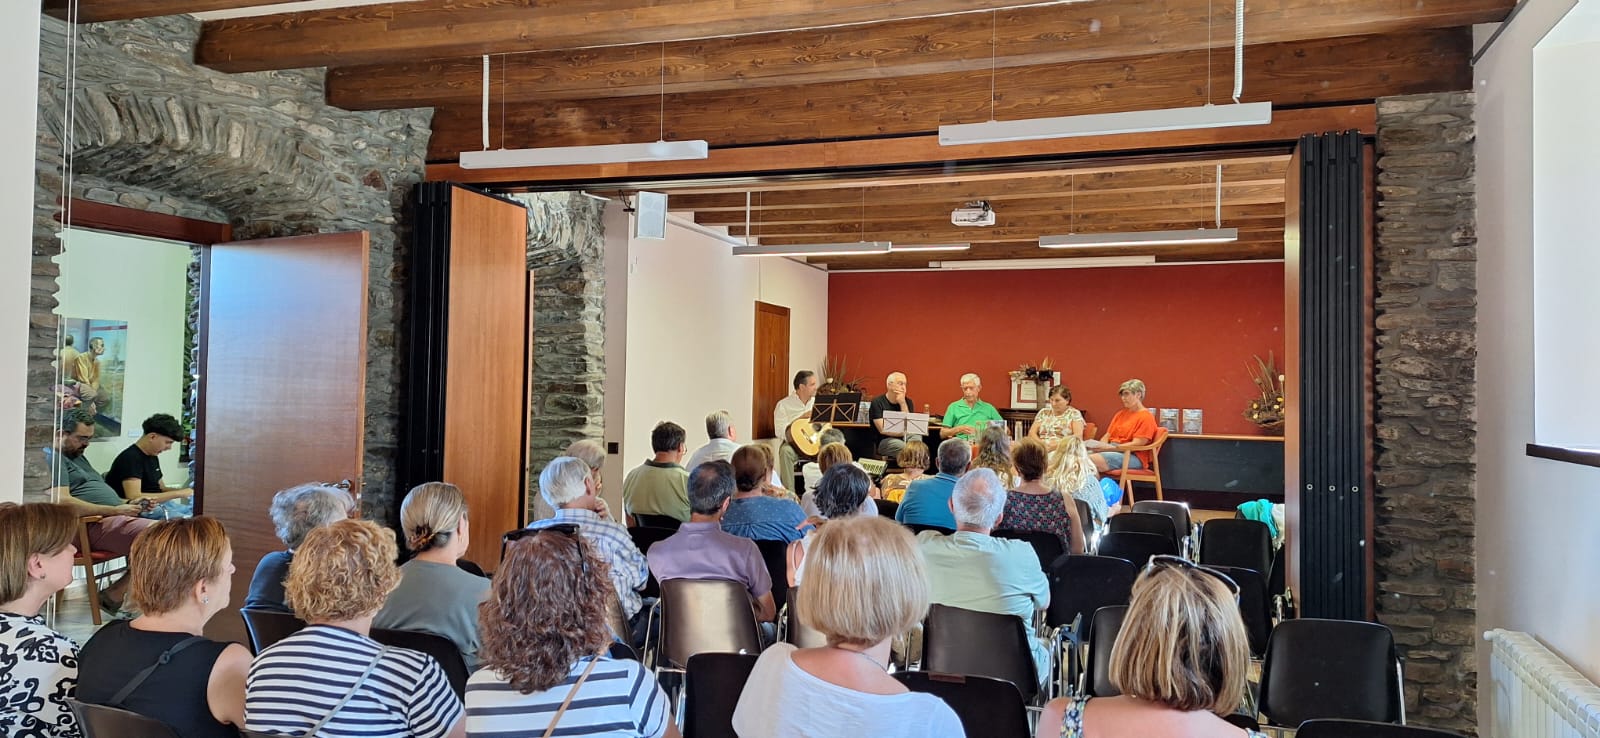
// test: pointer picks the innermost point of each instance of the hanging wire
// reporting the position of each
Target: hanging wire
(1238, 50)
(1219, 195)
(863, 236)
(1211, 20)
(1072, 202)
(661, 116)
(994, 50)
(485, 102)
(503, 95)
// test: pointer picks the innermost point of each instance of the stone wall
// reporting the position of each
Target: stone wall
(262, 151)
(1426, 326)
(566, 242)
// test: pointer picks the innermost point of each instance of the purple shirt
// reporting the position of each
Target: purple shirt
(704, 551)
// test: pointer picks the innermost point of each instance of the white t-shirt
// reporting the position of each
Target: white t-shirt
(781, 700)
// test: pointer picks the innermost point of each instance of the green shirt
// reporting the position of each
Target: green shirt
(75, 473)
(655, 488)
(977, 416)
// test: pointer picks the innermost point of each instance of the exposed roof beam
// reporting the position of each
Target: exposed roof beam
(772, 221)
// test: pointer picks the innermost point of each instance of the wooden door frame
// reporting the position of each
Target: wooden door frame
(757, 411)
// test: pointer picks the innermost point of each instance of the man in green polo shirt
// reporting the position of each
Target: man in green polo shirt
(968, 415)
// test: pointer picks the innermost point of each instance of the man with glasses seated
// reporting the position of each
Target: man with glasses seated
(702, 550)
(567, 484)
(75, 482)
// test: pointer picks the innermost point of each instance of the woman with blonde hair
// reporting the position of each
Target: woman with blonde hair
(435, 595)
(1180, 662)
(544, 663)
(866, 583)
(1072, 473)
(994, 452)
(158, 664)
(36, 554)
(330, 678)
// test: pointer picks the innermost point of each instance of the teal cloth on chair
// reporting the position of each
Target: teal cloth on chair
(1261, 512)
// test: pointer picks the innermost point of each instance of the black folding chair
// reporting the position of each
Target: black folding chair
(266, 627)
(440, 648)
(1254, 606)
(918, 528)
(1182, 521)
(1143, 522)
(1236, 542)
(1086, 518)
(776, 556)
(643, 538)
(1136, 547)
(988, 707)
(1331, 669)
(795, 630)
(1103, 629)
(1047, 546)
(99, 721)
(887, 508)
(701, 616)
(1329, 728)
(1080, 585)
(960, 641)
(712, 683)
(646, 520)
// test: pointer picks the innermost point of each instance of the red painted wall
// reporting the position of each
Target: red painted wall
(1191, 329)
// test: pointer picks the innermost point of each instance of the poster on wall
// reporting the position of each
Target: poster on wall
(93, 362)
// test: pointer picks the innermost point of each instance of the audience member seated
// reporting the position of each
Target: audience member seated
(867, 585)
(774, 486)
(568, 485)
(545, 636)
(41, 665)
(719, 428)
(658, 486)
(1034, 506)
(969, 415)
(994, 453)
(927, 501)
(136, 472)
(435, 595)
(754, 515)
(592, 454)
(797, 405)
(976, 571)
(1180, 662)
(833, 454)
(75, 482)
(913, 461)
(295, 512)
(338, 580)
(840, 494)
(1072, 473)
(701, 550)
(1057, 420)
(811, 471)
(182, 574)
(894, 399)
(1133, 425)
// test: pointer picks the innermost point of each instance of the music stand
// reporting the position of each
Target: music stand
(840, 408)
(906, 424)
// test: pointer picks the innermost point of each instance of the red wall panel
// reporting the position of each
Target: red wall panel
(1187, 331)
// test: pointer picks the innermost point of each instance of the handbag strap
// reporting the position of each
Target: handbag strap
(347, 695)
(138, 679)
(570, 694)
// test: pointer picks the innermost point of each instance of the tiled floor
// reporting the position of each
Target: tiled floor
(74, 620)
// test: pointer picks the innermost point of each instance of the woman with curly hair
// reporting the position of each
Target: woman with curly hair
(544, 658)
(994, 452)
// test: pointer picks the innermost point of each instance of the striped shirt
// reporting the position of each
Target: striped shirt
(296, 681)
(619, 698)
(629, 571)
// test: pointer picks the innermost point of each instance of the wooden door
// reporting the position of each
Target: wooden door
(771, 367)
(283, 336)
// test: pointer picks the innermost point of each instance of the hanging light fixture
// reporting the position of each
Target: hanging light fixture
(848, 248)
(659, 150)
(1140, 238)
(930, 247)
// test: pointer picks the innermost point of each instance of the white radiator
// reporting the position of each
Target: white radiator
(1536, 694)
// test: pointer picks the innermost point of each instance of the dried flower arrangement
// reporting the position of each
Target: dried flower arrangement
(834, 377)
(1266, 410)
(1040, 373)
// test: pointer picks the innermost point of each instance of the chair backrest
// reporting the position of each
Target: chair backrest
(988, 707)
(887, 508)
(1136, 547)
(705, 616)
(712, 684)
(1329, 728)
(99, 721)
(775, 554)
(1155, 452)
(439, 647)
(1254, 606)
(1047, 546)
(619, 650)
(1143, 522)
(265, 627)
(1085, 515)
(1178, 511)
(919, 527)
(1104, 627)
(643, 538)
(795, 630)
(1330, 669)
(1236, 542)
(617, 621)
(1084, 584)
(657, 521)
(960, 641)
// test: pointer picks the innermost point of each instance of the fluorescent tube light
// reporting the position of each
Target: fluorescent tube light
(930, 247)
(815, 249)
(1103, 124)
(569, 155)
(1140, 238)
(1081, 263)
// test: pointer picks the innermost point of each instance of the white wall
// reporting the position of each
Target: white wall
(144, 282)
(690, 332)
(19, 87)
(1538, 555)
(617, 229)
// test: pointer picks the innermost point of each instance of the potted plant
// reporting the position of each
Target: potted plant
(1267, 408)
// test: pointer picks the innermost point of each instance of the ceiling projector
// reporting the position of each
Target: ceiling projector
(973, 214)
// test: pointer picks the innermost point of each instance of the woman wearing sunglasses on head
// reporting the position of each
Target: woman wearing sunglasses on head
(544, 668)
(1180, 662)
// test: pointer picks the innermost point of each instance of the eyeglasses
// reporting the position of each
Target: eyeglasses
(567, 529)
(1163, 561)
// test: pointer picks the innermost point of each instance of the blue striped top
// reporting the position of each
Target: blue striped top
(618, 699)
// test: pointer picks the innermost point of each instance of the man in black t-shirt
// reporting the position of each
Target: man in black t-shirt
(895, 400)
(136, 472)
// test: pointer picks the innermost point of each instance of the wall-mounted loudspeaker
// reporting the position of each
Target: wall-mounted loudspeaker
(650, 216)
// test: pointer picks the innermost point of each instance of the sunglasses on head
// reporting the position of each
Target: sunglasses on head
(567, 529)
(1165, 561)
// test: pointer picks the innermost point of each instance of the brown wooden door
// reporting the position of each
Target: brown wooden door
(771, 367)
(283, 336)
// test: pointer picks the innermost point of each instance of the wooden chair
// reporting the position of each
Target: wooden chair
(88, 558)
(1128, 476)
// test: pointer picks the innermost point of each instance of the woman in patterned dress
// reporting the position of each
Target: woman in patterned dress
(1057, 421)
(1034, 506)
(38, 666)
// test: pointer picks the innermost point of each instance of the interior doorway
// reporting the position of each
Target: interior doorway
(770, 382)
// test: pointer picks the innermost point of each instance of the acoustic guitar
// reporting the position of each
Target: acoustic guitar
(806, 436)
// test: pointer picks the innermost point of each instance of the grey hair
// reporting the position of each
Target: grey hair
(591, 452)
(717, 424)
(954, 456)
(298, 510)
(979, 498)
(831, 435)
(971, 376)
(1133, 385)
(561, 481)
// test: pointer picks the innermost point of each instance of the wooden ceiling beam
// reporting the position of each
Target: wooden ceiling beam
(1300, 73)
(1012, 211)
(95, 11)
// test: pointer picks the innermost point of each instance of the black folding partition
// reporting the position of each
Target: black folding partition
(1335, 353)
(421, 443)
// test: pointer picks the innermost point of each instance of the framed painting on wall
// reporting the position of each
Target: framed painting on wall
(92, 366)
